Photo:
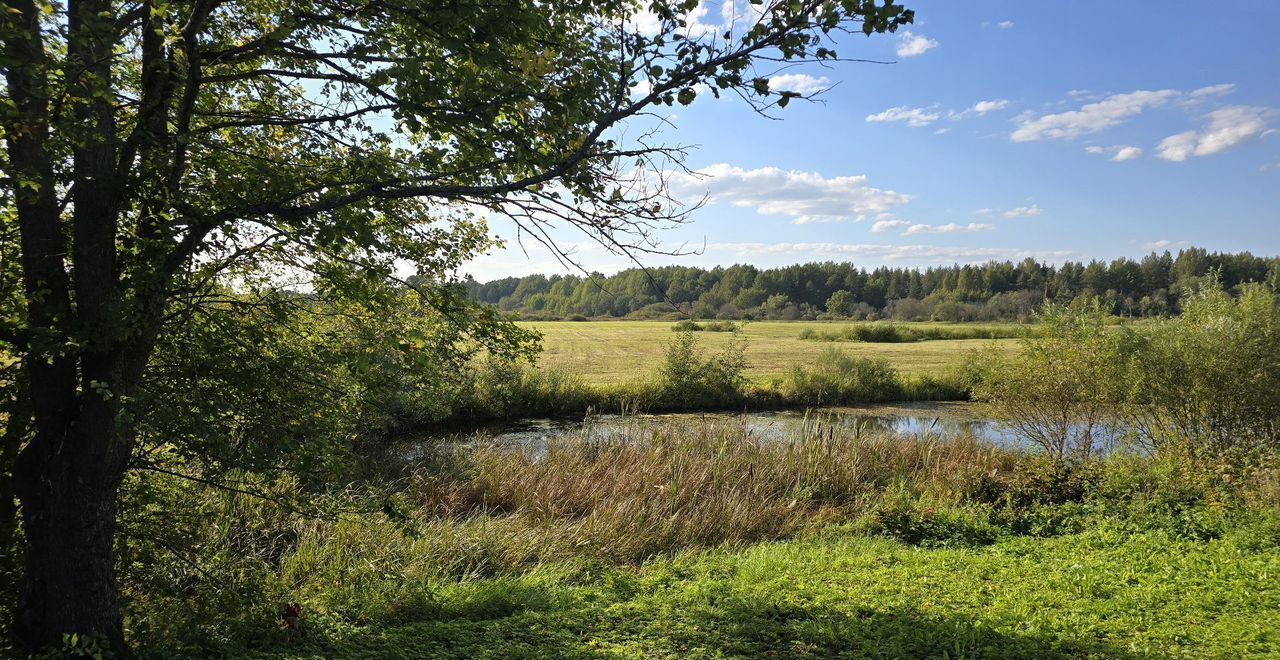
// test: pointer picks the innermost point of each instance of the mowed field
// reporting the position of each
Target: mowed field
(617, 351)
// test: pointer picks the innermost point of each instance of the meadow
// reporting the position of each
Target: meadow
(610, 352)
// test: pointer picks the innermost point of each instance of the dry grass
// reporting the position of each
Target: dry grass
(656, 490)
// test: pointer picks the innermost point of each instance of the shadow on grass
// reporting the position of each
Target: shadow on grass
(503, 624)
(753, 628)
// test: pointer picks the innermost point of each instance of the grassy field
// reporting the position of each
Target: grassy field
(1096, 594)
(617, 351)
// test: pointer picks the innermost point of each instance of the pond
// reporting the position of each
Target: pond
(945, 419)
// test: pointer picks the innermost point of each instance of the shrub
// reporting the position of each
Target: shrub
(838, 378)
(687, 379)
(1059, 390)
(1209, 381)
(689, 325)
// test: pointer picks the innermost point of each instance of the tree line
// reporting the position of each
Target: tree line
(1149, 286)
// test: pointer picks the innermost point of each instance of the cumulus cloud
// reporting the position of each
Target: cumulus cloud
(1023, 211)
(799, 83)
(1091, 117)
(951, 228)
(887, 252)
(1228, 128)
(911, 44)
(1120, 152)
(803, 196)
(983, 107)
(1005, 25)
(912, 116)
(1127, 153)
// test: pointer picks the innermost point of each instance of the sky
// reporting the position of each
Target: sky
(1003, 129)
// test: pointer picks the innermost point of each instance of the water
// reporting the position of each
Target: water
(936, 418)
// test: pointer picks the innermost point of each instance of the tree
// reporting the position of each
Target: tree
(155, 147)
(840, 304)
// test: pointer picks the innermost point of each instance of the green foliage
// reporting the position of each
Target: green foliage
(504, 388)
(1059, 391)
(688, 325)
(1208, 382)
(839, 378)
(1151, 286)
(687, 378)
(896, 334)
(840, 304)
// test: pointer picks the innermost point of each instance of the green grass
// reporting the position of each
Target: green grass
(607, 352)
(1096, 594)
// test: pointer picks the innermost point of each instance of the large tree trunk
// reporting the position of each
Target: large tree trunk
(68, 482)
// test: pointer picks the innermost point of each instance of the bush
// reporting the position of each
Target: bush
(1058, 392)
(886, 333)
(508, 389)
(689, 380)
(689, 325)
(839, 378)
(1208, 383)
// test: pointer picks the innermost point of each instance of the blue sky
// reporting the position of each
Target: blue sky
(1006, 128)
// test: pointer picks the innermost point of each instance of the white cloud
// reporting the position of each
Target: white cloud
(983, 107)
(886, 225)
(1118, 153)
(1127, 153)
(1005, 25)
(1023, 211)
(1213, 90)
(1228, 128)
(1165, 245)
(912, 116)
(910, 44)
(1091, 117)
(951, 228)
(798, 195)
(800, 83)
(942, 131)
(887, 252)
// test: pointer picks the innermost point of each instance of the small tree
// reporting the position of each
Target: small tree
(1059, 390)
(840, 304)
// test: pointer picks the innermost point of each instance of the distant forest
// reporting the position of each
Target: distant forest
(998, 290)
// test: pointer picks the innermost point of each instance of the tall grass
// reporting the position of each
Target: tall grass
(411, 547)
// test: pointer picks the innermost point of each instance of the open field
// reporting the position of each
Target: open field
(617, 351)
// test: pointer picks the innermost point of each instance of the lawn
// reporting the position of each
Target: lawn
(1101, 593)
(617, 351)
